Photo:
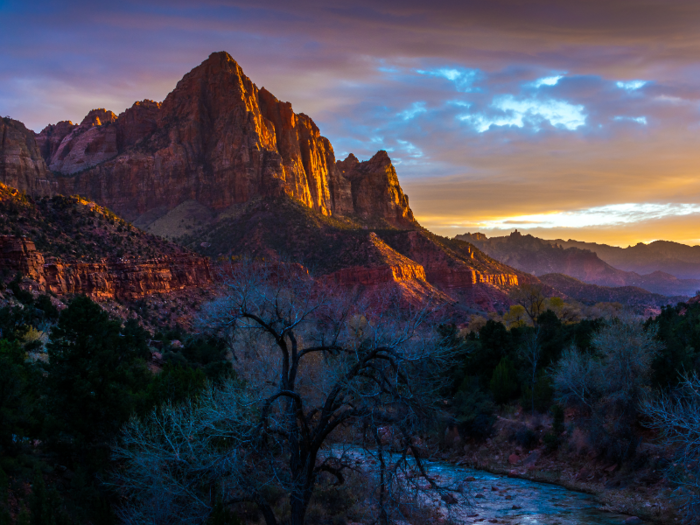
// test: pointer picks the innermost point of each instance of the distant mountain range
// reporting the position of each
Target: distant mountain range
(638, 299)
(673, 258)
(540, 257)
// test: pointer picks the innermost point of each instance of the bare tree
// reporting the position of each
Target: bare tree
(311, 362)
(677, 416)
(531, 298)
(608, 384)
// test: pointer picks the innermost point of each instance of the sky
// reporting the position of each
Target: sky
(573, 120)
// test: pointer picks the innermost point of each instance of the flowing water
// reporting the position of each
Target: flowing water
(481, 497)
(512, 500)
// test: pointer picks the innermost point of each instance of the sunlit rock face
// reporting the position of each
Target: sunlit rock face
(219, 140)
(375, 189)
(21, 163)
(108, 279)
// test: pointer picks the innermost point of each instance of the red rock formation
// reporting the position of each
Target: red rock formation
(21, 163)
(375, 189)
(18, 254)
(97, 117)
(51, 137)
(137, 123)
(127, 279)
(84, 146)
(454, 269)
(219, 140)
(388, 270)
(104, 280)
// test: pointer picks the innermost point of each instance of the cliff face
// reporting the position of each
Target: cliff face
(108, 279)
(127, 280)
(219, 140)
(21, 163)
(18, 254)
(375, 189)
(82, 248)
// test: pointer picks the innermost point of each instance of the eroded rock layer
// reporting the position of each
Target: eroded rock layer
(109, 279)
(21, 163)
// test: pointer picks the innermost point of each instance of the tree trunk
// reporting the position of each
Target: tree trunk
(299, 504)
(267, 513)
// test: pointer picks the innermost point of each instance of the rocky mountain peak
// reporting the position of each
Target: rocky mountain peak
(98, 117)
(219, 140)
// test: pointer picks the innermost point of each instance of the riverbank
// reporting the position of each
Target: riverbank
(516, 449)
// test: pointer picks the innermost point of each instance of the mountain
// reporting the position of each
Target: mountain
(540, 257)
(225, 168)
(680, 260)
(67, 245)
(216, 139)
(640, 300)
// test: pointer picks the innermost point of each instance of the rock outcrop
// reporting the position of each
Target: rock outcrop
(127, 279)
(388, 271)
(375, 189)
(19, 255)
(109, 279)
(67, 245)
(21, 163)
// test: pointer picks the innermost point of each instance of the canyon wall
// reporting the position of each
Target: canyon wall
(111, 278)
(21, 162)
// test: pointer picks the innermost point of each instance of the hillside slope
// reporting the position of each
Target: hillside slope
(68, 245)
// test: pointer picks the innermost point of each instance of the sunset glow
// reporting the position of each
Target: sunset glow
(585, 122)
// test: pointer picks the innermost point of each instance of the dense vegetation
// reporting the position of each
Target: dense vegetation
(498, 366)
(62, 402)
(72, 379)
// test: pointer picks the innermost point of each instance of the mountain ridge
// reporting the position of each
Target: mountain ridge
(677, 259)
(540, 257)
(216, 139)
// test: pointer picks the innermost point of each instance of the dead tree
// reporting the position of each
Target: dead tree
(676, 415)
(310, 361)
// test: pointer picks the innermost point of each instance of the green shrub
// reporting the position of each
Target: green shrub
(543, 394)
(474, 410)
(504, 382)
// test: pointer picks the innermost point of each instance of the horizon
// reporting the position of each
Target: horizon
(575, 122)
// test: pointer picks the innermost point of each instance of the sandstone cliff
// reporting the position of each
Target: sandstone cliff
(108, 279)
(82, 248)
(218, 140)
(21, 163)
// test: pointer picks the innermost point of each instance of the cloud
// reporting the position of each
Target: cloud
(547, 81)
(491, 109)
(640, 120)
(518, 111)
(611, 215)
(631, 85)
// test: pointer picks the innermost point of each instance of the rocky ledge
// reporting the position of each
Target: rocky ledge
(110, 279)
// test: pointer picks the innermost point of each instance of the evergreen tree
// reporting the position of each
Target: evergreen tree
(504, 382)
(95, 374)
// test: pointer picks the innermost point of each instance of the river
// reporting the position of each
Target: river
(481, 497)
